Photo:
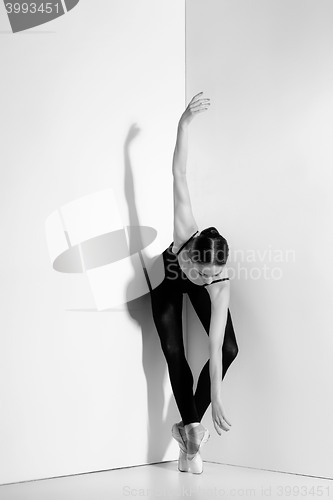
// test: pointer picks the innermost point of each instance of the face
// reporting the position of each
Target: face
(207, 272)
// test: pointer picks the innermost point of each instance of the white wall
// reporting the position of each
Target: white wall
(260, 169)
(77, 384)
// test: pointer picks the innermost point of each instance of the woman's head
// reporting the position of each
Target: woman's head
(209, 252)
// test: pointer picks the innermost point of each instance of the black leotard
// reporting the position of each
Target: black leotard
(167, 305)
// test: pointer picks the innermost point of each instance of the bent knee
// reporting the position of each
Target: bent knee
(231, 351)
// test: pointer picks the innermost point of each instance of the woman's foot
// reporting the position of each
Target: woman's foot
(195, 465)
(178, 433)
(190, 438)
(196, 436)
(183, 462)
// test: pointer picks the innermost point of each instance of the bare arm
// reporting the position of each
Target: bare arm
(219, 315)
(181, 148)
(184, 222)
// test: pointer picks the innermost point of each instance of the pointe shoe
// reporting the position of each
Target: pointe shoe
(195, 464)
(178, 433)
(196, 437)
(183, 462)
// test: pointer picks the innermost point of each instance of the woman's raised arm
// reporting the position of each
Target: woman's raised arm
(184, 222)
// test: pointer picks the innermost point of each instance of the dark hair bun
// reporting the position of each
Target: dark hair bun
(210, 231)
(210, 247)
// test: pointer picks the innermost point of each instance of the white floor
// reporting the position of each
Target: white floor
(163, 480)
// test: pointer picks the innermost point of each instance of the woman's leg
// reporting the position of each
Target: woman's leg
(202, 305)
(167, 301)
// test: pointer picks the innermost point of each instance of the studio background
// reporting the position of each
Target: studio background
(77, 384)
(260, 171)
(73, 380)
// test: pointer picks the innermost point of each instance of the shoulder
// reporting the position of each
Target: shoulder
(219, 292)
(184, 239)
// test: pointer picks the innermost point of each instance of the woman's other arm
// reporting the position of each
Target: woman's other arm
(184, 222)
(218, 321)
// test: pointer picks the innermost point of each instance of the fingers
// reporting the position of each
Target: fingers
(227, 421)
(200, 102)
(199, 110)
(218, 430)
(197, 95)
(199, 106)
(220, 423)
(195, 106)
(224, 426)
(196, 99)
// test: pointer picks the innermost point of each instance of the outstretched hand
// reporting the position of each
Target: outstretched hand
(196, 105)
(219, 419)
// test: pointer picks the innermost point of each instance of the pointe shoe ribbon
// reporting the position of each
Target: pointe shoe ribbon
(190, 437)
(196, 435)
(178, 433)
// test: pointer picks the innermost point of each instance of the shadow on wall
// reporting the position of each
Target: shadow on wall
(122, 265)
(153, 362)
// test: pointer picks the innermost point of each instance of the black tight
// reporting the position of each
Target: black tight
(167, 300)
